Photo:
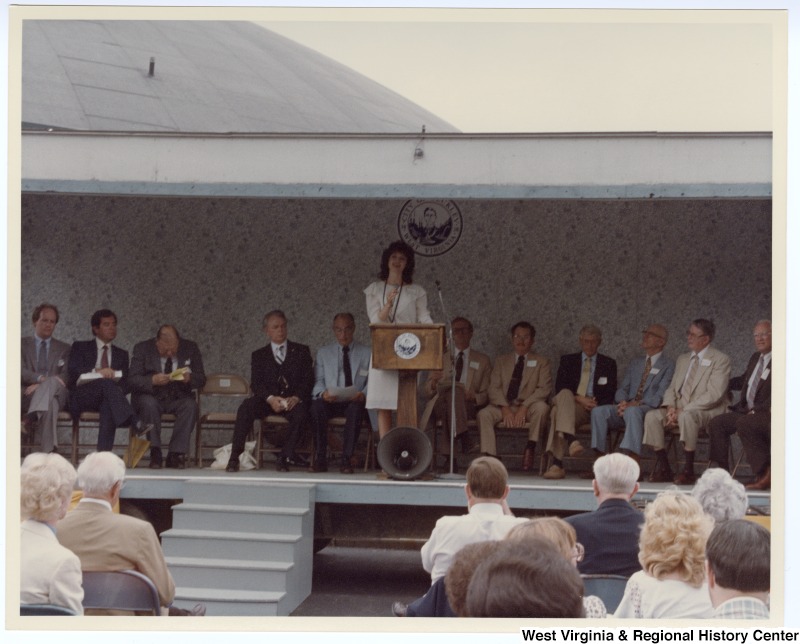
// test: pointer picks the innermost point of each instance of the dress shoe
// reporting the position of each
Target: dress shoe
(554, 472)
(399, 609)
(492, 455)
(176, 461)
(198, 610)
(296, 460)
(283, 464)
(318, 467)
(233, 465)
(587, 475)
(575, 448)
(661, 475)
(527, 459)
(346, 468)
(475, 448)
(762, 483)
(142, 429)
(155, 458)
(685, 478)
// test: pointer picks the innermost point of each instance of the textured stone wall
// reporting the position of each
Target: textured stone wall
(214, 266)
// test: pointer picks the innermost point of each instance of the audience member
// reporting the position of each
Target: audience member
(527, 578)
(518, 390)
(738, 568)
(721, 496)
(281, 378)
(584, 381)
(340, 367)
(751, 416)
(697, 393)
(671, 583)
(44, 377)
(165, 371)
(642, 389)
(49, 572)
(458, 575)
(106, 541)
(610, 533)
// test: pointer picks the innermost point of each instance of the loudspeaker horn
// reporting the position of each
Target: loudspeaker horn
(405, 453)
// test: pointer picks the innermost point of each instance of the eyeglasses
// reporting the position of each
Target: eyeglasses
(339, 329)
(689, 334)
(760, 336)
(578, 552)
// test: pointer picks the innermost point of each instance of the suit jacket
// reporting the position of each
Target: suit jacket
(655, 385)
(106, 541)
(295, 377)
(83, 358)
(146, 361)
(326, 367)
(605, 376)
(49, 573)
(57, 360)
(536, 385)
(610, 536)
(710, 387)
(763, 399)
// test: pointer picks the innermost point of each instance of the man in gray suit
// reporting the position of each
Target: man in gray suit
(642, 389)
(344, 366)
(164, 372)
(44, 376)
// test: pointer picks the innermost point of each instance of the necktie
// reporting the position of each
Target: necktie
(583, 385)
(686, 390)
(459, 366)
(647, 366)
(168, 365)
(516, 379)
(41, 359)
(348, 375)
(279, 357)
(751, 392)
(104, 358)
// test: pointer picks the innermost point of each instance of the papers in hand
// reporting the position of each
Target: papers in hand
(343, 393)
(94, 375)
(178, 373)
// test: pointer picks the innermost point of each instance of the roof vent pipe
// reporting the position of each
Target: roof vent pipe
(152, 70)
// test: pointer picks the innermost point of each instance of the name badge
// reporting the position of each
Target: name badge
(705, 362)
(602, 381)
(474, 365)
(765, 374)
(531, 363)
(654, 371)
(363, 372)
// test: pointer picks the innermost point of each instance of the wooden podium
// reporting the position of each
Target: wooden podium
(407, 348)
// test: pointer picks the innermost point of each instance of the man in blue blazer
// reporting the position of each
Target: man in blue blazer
(344, 363)
(642, 389)
(93, 381)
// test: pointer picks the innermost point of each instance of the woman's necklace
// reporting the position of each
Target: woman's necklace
(393, 313)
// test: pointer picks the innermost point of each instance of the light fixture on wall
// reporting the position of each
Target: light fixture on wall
(419, 152)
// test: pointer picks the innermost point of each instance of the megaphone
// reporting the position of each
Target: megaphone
(405, 453)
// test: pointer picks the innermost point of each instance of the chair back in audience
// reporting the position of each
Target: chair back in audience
(120, 590)
(43, 609)
(609, 588)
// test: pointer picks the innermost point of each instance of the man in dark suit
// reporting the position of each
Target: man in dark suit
(584, 381)
(750, 417)
(98, 380)
(281, 377)
(610, 534)
(164, 372)
(44, 376)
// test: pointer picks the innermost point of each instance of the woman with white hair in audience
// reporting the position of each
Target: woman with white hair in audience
(672, 581)
(49, 572)
(722, 497)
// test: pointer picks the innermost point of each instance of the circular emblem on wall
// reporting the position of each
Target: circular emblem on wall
(430, 226)
(407, 346)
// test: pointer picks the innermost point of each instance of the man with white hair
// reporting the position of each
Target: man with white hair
(610, 534)
(721, 496)
(105, 541)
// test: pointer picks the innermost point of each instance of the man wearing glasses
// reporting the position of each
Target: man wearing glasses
(697, 393)
(340, 389)
(750, 417)
(472, 371)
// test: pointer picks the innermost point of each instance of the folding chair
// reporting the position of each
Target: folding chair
(220, 386)
(120, 590)
(609, 588)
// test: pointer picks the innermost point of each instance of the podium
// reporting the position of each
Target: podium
(408, 349)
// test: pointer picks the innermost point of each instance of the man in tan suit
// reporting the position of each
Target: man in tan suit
(472, 371)
(697, 393)
(518, 390)
(105, 541)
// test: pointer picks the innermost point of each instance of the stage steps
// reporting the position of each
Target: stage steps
(242, 547)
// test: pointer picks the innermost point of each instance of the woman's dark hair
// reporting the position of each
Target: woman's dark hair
(398, 246)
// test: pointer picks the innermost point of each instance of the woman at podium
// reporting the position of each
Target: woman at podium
(393, 299)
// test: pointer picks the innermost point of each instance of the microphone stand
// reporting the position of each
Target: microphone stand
(451, 341)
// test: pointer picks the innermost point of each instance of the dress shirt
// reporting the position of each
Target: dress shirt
(743, 607)
(465, 370)
(275, 348)
(103, 502)
(340, 367)
(592, 362)
(700, 357)
(767, 357)
(100, 344)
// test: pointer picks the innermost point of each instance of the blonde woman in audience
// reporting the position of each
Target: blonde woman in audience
(563, 536)
(49, 572)
(672, 581)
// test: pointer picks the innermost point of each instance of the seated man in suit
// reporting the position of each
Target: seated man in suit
(698, 392)
(642, 389)
(472, 370)
(106, 541)
(518, 390)
(281, 377)
(610, 534)
(584, 381)
(98, 380)
(164, 373)
(44, 377)
(343, 364)
(750, 417)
